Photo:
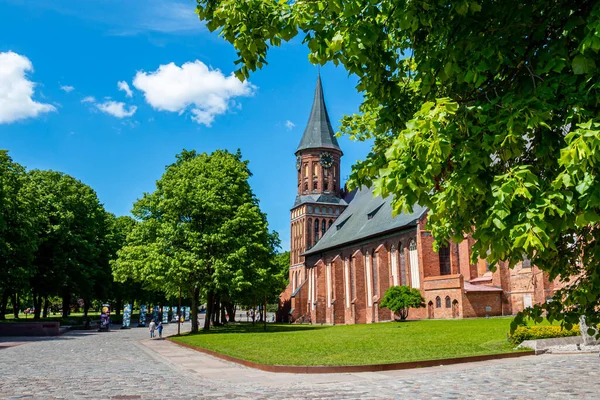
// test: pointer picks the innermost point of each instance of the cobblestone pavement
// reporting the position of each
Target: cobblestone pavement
(125, 364)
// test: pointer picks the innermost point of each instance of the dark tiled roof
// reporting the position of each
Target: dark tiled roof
(319, 198)
(318, 132)
(366, 216)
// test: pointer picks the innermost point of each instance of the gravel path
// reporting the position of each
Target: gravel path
(125, 364)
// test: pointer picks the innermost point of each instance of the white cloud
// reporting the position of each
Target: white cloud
(205, 92)
(289, 125)
(16, 90)
(88, 99)
(116, 109)
(122, 85)
(67, 88)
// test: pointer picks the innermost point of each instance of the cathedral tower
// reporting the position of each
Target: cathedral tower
(319, 198)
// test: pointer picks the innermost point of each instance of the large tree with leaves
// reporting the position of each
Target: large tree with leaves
(17, 231)
(201, 230)
(487, 112)
(71, 228)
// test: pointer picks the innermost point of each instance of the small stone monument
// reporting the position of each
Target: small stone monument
(588, 340)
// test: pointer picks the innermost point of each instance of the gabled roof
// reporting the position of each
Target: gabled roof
(366, 216)
(318, 132)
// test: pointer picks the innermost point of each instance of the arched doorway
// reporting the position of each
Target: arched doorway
(430, 310)
(455, 309)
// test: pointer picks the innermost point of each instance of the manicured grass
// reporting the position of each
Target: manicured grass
(357, 344)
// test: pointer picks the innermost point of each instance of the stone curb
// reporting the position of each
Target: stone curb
(297, 369)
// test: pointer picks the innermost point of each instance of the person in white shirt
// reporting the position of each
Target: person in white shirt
(152, 328)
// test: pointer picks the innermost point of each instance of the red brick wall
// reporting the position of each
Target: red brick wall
(337, 277)
(468, 270)
(299, 302)
(474, 304)
(450, 286)
(444, 312)
(384, 280)
(428, 258)
(321, 286)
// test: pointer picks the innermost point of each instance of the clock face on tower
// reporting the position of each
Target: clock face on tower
(298, 163)
(326, 159)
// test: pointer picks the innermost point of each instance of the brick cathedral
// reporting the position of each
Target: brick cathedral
(347, 249)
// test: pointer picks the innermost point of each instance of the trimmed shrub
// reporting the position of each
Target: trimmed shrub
(541, 332)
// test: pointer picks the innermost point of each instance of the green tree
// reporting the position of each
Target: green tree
(400, 299)
(484, 111)
(17, 232)
(105, 288)
(283, 270)
(71, 228)
(201, 229)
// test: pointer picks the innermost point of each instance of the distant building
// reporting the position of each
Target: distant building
(347, 250)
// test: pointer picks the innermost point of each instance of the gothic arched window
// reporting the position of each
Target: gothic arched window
(444, 256)
(403, 280)
(330, 222)
(375, 277)
(308, 237)
(323, 227)
(352, 287)
(438, 302)
(448, 302)
(316, 230)
(415, 275)
(526, 262)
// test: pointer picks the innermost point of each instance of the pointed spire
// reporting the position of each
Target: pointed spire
(318, 132)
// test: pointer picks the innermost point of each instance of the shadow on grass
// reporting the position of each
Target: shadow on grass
(245, 327)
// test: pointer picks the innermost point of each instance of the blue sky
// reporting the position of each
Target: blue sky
(109, 91)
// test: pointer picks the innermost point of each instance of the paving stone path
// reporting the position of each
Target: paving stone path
(125, 364)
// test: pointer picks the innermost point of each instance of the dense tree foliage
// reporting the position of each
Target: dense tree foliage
(71, 229)
(400, 299)
(201, 230)
(485, 111)
(17, 231)
(56, 244)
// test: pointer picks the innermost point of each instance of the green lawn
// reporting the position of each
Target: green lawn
(357, 344)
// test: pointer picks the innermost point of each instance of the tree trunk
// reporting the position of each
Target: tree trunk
(3, 304)
(195, 300)
(210, 299)
(14, 299)
(86, 307)
(265, 313)
(46, 307)
(66, 304)
(254, 311)
(216, 311)
(118, 306)
(230, 311)
(37, 305)
(223, 319)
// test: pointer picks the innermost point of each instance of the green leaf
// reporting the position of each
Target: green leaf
(583, 65)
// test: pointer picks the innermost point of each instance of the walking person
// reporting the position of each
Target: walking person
(159, 328)
(152, 328)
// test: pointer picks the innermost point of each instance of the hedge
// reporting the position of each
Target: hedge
(541, 332)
